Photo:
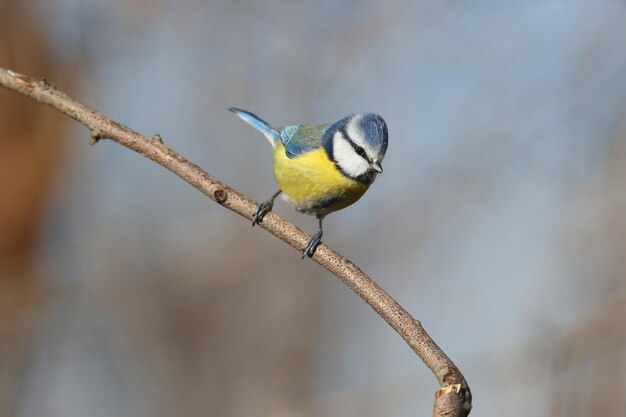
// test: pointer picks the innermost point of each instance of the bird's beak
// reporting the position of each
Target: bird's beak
(376, 166)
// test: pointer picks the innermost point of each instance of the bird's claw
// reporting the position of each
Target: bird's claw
(311, 246)
(263, 209)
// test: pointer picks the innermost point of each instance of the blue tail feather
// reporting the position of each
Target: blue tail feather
(261, 125)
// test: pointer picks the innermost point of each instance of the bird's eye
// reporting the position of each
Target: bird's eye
(360, 151)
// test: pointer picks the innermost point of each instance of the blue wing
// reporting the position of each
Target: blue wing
(301, 139)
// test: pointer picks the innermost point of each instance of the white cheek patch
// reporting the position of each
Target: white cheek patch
(354, 131)
(347, 159)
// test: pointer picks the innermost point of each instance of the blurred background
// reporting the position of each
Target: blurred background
(499, 221)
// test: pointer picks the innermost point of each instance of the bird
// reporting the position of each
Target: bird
(322, 168)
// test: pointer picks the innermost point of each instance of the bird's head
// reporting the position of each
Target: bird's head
(357, 144)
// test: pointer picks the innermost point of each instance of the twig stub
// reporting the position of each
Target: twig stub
(95, 136)
(452, 401)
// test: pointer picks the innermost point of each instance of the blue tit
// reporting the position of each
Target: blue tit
(322, 168)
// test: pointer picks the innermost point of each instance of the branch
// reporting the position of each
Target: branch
(452, 399)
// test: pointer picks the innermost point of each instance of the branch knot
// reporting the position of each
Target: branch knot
(218, 193)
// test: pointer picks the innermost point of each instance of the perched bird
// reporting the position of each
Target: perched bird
(322, 168)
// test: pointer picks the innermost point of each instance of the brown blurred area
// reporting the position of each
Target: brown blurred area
(590, 362)
(32, 145)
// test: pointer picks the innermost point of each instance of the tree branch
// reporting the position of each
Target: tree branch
(452, 399)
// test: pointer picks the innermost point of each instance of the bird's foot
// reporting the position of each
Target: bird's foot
(311, 247)
(264, 208)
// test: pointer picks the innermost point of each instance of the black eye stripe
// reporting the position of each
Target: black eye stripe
(358, 149)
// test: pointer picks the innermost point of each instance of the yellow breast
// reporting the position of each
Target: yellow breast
(312, 183)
